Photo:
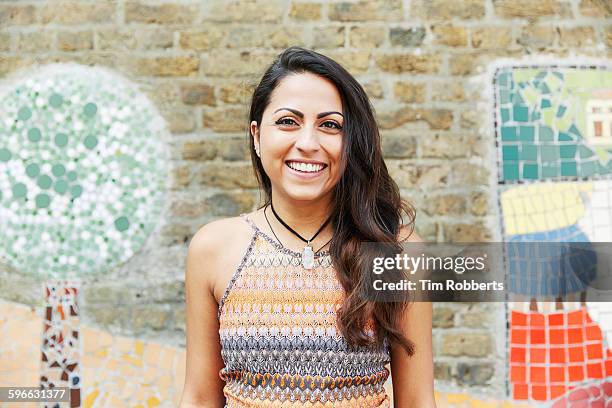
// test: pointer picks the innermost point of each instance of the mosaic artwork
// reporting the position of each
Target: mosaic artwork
(83, 174)
(554, 123)
(554, 139)
(82, 171)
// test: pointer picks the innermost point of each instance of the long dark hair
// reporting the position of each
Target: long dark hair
(367, 204)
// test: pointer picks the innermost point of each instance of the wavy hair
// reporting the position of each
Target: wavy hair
(367, 204)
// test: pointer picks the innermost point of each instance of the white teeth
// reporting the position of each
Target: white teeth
(305, 167)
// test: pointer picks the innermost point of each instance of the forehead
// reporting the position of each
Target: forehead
(306, 91)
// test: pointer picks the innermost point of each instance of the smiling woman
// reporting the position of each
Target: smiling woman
(275, 312)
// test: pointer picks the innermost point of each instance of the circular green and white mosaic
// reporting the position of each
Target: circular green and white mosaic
(83, 167)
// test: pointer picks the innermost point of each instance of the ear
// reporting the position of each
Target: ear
(255, 133)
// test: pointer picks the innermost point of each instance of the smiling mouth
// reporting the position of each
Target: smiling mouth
(306, 167)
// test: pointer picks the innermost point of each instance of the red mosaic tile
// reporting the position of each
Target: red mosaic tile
(518, 336)
(557, 336)
(537, 355)
(539, 392)
(518, 373)
(576, 354)
(557, 374)
(537, 336)
(518, 319)
(520, 391)
(517, 355)
(557, 354)
(537, 374)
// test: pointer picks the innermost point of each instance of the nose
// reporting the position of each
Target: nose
(307, 139)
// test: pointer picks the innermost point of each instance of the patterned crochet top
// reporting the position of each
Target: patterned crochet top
(279, 339)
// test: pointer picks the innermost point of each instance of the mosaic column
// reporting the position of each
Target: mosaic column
(83, 176)
(61, 348)
(554, 139)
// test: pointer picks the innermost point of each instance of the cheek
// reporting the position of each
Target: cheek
(335, 151)
(273, 152)
(276, 145)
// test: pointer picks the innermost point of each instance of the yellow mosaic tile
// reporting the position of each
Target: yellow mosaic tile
(90, 398)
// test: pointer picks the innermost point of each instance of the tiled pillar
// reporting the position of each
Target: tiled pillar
(61, 345)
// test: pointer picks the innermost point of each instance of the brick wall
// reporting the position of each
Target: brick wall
(198, 61)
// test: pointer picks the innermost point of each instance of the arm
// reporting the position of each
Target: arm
(203, 386)
(412, 377)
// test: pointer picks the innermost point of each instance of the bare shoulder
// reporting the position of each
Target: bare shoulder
(216, 249)
(212, 237)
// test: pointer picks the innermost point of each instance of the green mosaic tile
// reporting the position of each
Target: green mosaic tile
(5, 155)
(33, 170)
(505, 115)
(520, 113)
(585, 152)
(508, 134)
(561, 111)
(568, 169)
(56, 100)
(527, 134)
(530, 171)
(516, 99)
(44, 182)
(550, 171)
(544, 88)
(550, 153)
(588, 168)
(503, 79)
(24, 113)
(574, 130)
(545, 134)
(510, 153)
(567, 151)
(61, 140)
(34, 135)
(511, 171)
(529, 152)
(504, 96)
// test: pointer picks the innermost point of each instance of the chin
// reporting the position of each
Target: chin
(305, 193)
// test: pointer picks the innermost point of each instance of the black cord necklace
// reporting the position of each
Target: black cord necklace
(307, 254)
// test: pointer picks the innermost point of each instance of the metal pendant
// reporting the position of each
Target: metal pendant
(308, 257)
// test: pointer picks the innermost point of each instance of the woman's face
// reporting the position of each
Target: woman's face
(300, 137)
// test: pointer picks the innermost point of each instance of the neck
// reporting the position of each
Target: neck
(304, 217)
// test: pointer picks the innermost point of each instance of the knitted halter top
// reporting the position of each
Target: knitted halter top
(279, 339)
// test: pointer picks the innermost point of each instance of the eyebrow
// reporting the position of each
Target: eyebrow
(301, 115)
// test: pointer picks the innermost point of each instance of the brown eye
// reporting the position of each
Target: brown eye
(334, 125)
(285, 121)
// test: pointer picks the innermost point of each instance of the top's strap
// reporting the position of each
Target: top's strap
(249, 221)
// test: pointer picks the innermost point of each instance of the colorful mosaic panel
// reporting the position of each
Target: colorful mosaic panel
(553, 123)
(83, 171)
(61, 344)
(553, 132)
